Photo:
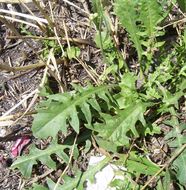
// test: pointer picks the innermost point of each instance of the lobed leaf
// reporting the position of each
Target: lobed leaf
(55, 113)
(115, 128)
(180, 166)
(25, 163)
(150, 15)
(125, 10)
(79, 179)
(139, 164)
(178, 141)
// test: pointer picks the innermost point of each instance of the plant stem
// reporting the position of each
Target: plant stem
(176, 154)
(6, 67)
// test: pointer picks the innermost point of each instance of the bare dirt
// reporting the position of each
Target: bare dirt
(15, 86)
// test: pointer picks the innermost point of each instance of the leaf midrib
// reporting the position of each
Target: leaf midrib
(77, 100)
(42, 153)
(124, 118)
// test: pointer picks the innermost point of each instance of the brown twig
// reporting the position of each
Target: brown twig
(6, 67)
(99, 149)
(68, 165)
(73, 40)
(176, 154)
(37, 178)
(8, 117)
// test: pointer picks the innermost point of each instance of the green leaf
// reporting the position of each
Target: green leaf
(98, 10)
(167, 180)
(74, 121)
(87, 146)
(78, 181)
(54, 113)
(26, 162)
(105, 144)
(73, 52)
(172, 99)
(128, 93)
(182, 5)
(176, 136)
(86, 111)
(125, 10)
(115, 128)
(38, 187)
(150, 15)
(126, 184)
(179, 139)
(118, 184)
(142, 166)
(138, 164)
(53, 185)
(128, 80)
(152, 129)
(180, 166)
(105, 40)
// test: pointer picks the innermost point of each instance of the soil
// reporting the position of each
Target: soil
(14, 86)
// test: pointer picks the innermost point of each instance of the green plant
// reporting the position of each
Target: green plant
(61, 109)
(47, 45)
(119, 116)
(182, 4)
(144, 35)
